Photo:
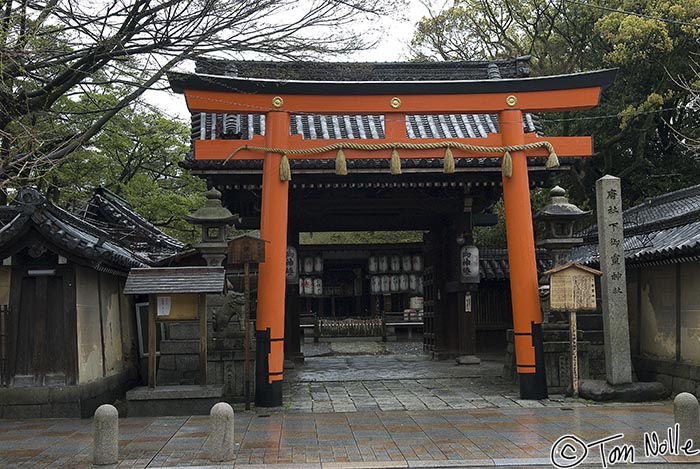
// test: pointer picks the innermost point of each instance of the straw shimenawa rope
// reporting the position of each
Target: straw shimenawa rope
(395, 162)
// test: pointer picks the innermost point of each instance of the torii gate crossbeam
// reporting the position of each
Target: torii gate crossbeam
(509, 98)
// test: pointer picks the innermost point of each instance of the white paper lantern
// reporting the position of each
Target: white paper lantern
(375, 285)
(403, 282)
(418, 263)
(406, 263)
(386, 284)
(308, 265)
(383, 264)
(395, 263)
(394, 283)
(373, 267)
(318, 287)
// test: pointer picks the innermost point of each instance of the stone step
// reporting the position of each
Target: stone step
(176, 347)
(182, 330)
(173, 400)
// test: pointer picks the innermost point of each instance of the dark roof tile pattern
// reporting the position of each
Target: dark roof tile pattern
(661, 228)
(365, 71)
(493, 263)
(175, 280)
(67, 231)
(130, 228)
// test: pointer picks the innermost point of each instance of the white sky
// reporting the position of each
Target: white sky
(392, 46)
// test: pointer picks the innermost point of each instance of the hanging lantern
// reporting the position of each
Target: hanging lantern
(373, 264)
(395, 263)
(383, 264)
(406, 263)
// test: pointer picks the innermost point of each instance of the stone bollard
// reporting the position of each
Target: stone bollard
(686, 413)
(106, 436)
(221, 443)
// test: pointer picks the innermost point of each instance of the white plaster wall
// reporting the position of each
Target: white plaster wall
(88, 317)
(690, 312)
(111, 323)
(658, 311)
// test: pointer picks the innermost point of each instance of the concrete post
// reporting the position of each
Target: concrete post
(221, 443)
(106, 435)
(686, 413)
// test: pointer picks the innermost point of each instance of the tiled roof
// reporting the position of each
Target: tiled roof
(367, 71)
(660, 229)
(114, 214)
(76, 236)
(207, 126)
(175, 280)
(493, 263)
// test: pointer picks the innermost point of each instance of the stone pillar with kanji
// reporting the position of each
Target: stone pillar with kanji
(618, 363)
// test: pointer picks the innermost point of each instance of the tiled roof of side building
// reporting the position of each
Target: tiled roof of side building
(660, 229)
(71, 234)
(111, 211)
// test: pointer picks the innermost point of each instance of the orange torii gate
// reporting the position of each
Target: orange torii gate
(509, 98)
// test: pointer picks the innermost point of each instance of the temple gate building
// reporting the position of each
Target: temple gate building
(288, 146)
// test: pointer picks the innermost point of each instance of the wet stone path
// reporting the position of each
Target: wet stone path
(365, 376)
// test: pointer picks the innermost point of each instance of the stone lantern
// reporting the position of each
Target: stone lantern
(213, 218)
(559, 218)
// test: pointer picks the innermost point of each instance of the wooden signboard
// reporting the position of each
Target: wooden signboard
(572, 288)
(246, 249)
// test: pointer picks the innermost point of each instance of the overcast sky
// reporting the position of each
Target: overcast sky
(392, 47)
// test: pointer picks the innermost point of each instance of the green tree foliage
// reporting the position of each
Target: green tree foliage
(54, 52)
(644, 119)
(136, 156)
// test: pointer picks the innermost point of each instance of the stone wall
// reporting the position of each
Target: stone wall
(179, 359)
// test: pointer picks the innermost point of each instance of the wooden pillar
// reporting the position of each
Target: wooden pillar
(527, 316)
(202, 314)
(292, 334)
(269, 325)
(152, 305)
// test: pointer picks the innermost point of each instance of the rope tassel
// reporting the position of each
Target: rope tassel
(553, 160)
(395, 165)
(507, 165)
(341, 165)
(449, 162)
(285, 170)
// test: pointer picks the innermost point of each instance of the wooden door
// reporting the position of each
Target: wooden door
(42, 336)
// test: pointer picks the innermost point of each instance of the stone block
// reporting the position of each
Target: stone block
(172, 400)
(186, 363)
(183, 330)
(599, 390)
(686, 413)
(176, 347)
(106, 435)
(221, 444)
(166, 362)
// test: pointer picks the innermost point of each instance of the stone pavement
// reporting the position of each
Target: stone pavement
(349, 410)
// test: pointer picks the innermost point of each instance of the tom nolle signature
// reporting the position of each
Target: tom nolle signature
(569, 451)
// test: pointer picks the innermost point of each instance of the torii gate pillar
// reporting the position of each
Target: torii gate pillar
(269, 325)
(527, 315)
